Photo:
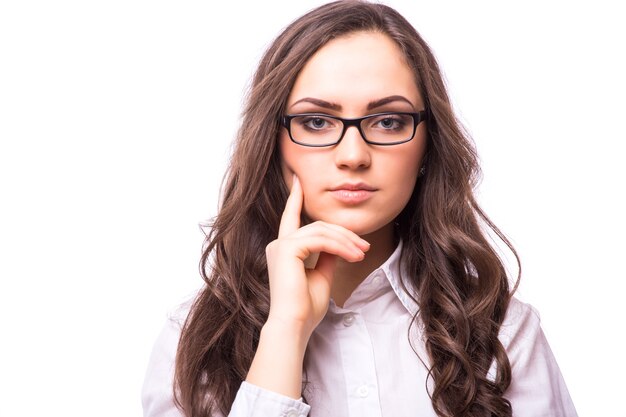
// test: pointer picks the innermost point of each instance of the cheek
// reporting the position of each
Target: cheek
(301, 161)
(405, 170)
(295, 160)
(288, 157)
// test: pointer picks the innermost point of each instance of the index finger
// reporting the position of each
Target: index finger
(290, 220)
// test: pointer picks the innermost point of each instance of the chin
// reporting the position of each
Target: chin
(359, 224)
(359, 229)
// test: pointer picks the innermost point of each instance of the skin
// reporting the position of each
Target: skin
(348, 239)
(346, 73)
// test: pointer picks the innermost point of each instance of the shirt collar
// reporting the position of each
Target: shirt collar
(390, 273)
(395, 270)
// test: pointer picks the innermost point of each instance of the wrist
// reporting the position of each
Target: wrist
(277, 363)
(291, 332)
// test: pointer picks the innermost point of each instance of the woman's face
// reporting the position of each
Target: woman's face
(356, 185)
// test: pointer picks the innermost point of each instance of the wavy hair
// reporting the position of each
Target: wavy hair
(460, 282)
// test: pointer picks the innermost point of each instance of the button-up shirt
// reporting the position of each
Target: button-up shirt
(365, 360)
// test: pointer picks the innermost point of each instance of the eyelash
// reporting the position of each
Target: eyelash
(305, 121)
(398, 123)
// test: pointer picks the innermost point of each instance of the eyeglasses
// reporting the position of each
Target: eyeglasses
(317, 130)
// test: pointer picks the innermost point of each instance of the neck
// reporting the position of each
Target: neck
(348, 275)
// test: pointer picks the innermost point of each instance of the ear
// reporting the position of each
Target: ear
(423, 163)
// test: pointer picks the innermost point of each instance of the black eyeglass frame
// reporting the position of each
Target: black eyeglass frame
(418, 117)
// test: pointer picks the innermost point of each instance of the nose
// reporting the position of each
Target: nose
(352, 152)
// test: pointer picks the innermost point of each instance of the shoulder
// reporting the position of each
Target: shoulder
(176, 316)
(521, 323)
(520, 311)
(174, 322)
(521, 333)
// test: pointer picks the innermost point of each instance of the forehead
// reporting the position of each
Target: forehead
(356, 68)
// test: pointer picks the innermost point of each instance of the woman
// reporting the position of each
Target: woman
(347, 273)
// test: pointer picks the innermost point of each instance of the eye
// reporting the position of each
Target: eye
(315, 123)
(389, 122)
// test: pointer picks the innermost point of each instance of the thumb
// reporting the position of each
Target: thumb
(321, 279)
(326, 266)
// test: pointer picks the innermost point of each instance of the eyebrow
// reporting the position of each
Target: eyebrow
(334, 106)
(378, 103)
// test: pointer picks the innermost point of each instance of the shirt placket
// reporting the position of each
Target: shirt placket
(359, 366)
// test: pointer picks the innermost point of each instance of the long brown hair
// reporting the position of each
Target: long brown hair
(460, 282)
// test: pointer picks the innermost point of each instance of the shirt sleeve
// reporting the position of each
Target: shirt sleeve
(157, 395)
(253, 401)
(537, 387)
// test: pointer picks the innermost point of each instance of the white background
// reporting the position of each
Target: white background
(115, 124)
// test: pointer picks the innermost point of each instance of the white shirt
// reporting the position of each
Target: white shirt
(360, 362)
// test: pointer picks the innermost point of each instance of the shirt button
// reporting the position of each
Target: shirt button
(348, 320)
(292, 413)
(362, 391)
(376, 280)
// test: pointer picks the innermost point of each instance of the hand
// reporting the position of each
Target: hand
(298, 296)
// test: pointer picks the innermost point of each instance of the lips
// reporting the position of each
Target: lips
(353, 193)
(354, 187)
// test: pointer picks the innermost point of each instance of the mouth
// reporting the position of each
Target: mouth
(353, 193)
(354, 187)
